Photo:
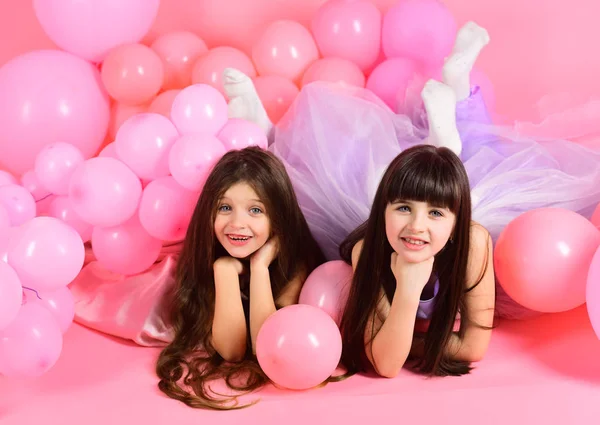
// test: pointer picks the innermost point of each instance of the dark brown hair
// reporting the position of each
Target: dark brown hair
(191, 355)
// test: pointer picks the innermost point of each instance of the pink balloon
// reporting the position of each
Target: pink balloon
(46, 253)
(11, 295)
(120, 113)
(596, 217)
(49, 96)
(4, 218)
(55, 164)
(61, 208)
(285, 48)
(109, 151)
(348, 29)
(166, 209)
(334, 70)
(178, 51)
(163, 103)
(209, 68)
(327, 288)
(7, 178)
(91, 28)
(59, 302)
(6, 234)
(592, 295)
(276, 94)
(299, 347)
(132, 73)
(543, 256)
(239, 134)
(192, 158)
(199, 109)
(422, 30)
(30, 182)
(143, 143)
(31, 344)
(390, 80)
(43, 205)
(104, 192)
(127, 248)
(18, 202)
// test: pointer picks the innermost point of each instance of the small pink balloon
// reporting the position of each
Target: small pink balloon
(348, 30)
(390, 80)
(109, 151)
(199, 109)
(4, 218)
(285, 48)
(209, 68)
(543, 256)
(119, 113)
(127, 248)
(192, 158)
(299, 347)
(46, 253)
(30, 182)
(327, 288)
(104, 192)
(61, 208)
(592, 294)
(239, 134)
(334, 70)
(163, 103)
(276, 94)
(166, 209)
(7, 178)
(55, 164)
(143, 143)
(59, 302)
(18, 202)
(178, 51)
(422, 30)
(11, 295)
(132, 73)
(31, 344)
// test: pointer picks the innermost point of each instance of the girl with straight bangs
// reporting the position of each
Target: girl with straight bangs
(419, 257)
(246, 253)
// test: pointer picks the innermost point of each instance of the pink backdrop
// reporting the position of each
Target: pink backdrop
(538, 46)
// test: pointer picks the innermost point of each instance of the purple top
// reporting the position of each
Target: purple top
(427, 302)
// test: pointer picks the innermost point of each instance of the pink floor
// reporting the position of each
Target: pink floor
(542, 371)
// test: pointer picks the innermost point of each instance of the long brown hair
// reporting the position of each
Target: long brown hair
(422, 173)
(193, 303)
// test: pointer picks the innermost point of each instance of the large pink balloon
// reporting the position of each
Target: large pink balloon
(91, 28)
(422, 30)
(59, 302)
(132, 73)
(543, 256)
(119, 113)
(55, 164)
(199, 109)
(18, 202)
(61, 208)
(178, 51)
(334, 70)
(299, 347)
(276, 94)
(4, 218)
(166, 209)
(143, 143)
(209, 68)
(31, 344)
(348, 29)
(127, 248)
(327, 288)
(7, 178)
(49, 96)
(592, 296)
(11, 294)
(163, 103)
(596, 217)
(239, 134)
(390, 80)
(6, 234)
(285, 48)
(46, 253)
(192, 158)
(104, 191)
(30, 182)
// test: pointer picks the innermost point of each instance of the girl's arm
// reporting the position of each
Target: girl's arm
(229, 331)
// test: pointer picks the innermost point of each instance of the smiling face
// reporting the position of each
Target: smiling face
(417, 230)
(241, 223)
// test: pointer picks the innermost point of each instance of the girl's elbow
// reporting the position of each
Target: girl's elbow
(233, 355)
(389, 372)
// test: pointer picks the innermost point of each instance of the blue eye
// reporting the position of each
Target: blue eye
(437, 213)
(255, 210)
(224, 208)
(403, 208)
